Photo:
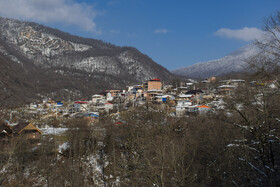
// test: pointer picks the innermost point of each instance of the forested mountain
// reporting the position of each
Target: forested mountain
(49, 61)
(234, 62)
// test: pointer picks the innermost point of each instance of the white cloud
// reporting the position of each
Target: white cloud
(245, 34)
(161, 31)
(51, 11)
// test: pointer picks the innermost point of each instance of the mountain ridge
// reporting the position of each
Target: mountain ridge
(51, 46)
(233, 62)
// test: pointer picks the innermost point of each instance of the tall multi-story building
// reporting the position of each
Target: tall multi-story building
(154, 84)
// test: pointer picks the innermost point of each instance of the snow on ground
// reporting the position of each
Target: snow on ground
(54, 131)
(63, 147)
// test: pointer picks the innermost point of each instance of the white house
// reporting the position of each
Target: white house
(109, 97)
(108, 107)
(96, 98)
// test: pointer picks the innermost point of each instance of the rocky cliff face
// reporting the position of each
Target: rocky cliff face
(75, 58)
(48, 47)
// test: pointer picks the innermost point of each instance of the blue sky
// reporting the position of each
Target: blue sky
(174, 33)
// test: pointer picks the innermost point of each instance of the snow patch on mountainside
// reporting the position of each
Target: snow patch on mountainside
(33, 42)
(234, 62)
(99, 64)
(125, 58)
(12, 57)
(80, 47)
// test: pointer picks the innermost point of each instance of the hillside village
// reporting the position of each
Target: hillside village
(182, 100)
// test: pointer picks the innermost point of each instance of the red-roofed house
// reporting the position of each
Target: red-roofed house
(203, 109)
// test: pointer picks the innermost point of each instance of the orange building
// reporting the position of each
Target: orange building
(154, 84)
